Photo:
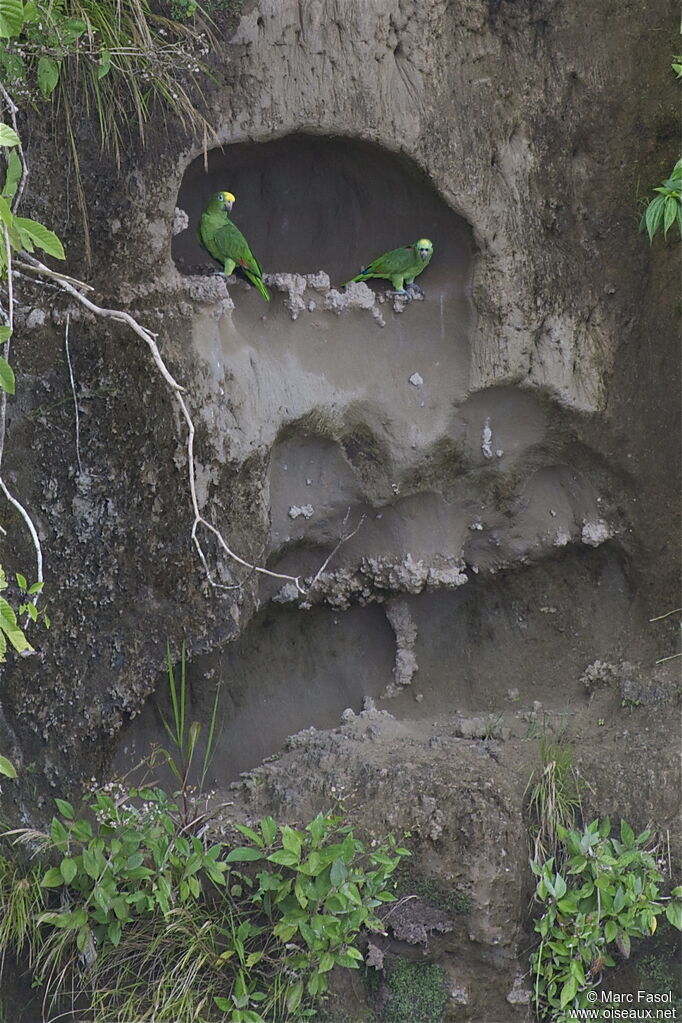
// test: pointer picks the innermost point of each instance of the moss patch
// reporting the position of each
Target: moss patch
(453, 901)
(417, 993)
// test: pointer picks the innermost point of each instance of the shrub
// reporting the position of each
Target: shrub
(139, 918)
(608, 892)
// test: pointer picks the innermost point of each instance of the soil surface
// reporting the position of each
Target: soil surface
(455, 517)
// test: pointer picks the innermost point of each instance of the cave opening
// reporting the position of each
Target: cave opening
(307, 202)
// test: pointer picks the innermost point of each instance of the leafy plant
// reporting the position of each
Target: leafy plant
(608, 892)
(184, 739)
(554, 798)
(139, 918)
(666, 209)
(20, 234)
(117, 55)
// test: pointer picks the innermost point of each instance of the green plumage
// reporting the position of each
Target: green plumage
(399, 266)
(224, 241)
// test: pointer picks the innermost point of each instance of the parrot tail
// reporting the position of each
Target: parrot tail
(362, 276)
(258, 283)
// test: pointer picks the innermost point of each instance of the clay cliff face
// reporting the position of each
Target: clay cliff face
(502, 451)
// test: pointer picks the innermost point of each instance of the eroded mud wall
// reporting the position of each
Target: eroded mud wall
(523, 413)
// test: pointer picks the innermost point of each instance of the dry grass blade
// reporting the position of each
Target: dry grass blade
(554, 800)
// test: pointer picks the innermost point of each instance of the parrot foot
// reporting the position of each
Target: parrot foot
(400, 293)
(415, 290)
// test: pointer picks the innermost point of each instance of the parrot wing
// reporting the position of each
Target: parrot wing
(231, 244)
(391, 264)
(225, 242)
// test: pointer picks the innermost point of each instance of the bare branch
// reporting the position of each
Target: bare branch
(342, 541)
(45, 271)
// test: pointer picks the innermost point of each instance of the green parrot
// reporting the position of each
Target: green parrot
(225, 242)
(399, 266)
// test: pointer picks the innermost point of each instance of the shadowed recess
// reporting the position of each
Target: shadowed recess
(308, 203)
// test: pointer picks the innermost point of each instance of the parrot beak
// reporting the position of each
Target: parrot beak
(228, 206)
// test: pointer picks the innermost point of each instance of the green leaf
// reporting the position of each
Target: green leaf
(338, 873)
(58, 833)
(673, 912)
(7, 378)
(627, 835)
(345, 959)
(559, 886)
(8, 137)
(284, 932)
(90, 864)
(568, 992)
(326, 962)
(68, 869)
(670, 213)
(653, 215)
(224, 1004)
(294, 995)
(284, 857)
(12, 64)
(291, 841)
(52, 879)
(6, 768)
(114, 932)
(48, 75)
(13, 176)
(104, 66)
(65, 809)
(73, 28)
(8, 619)
(268, 829)
(44, 238)
(11, 23)
(5, 335)
(242, 854)
(249, 833)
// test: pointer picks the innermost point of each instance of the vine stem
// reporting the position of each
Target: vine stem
(178, 393)
(3, 420)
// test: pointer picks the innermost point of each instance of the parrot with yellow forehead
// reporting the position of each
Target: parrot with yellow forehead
(225, 242)
(400, 266)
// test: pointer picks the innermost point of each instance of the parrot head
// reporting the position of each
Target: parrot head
(221, 202)
(425, 249)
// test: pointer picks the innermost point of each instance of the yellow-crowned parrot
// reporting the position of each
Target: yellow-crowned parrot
(399, 266)
(225, 242)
